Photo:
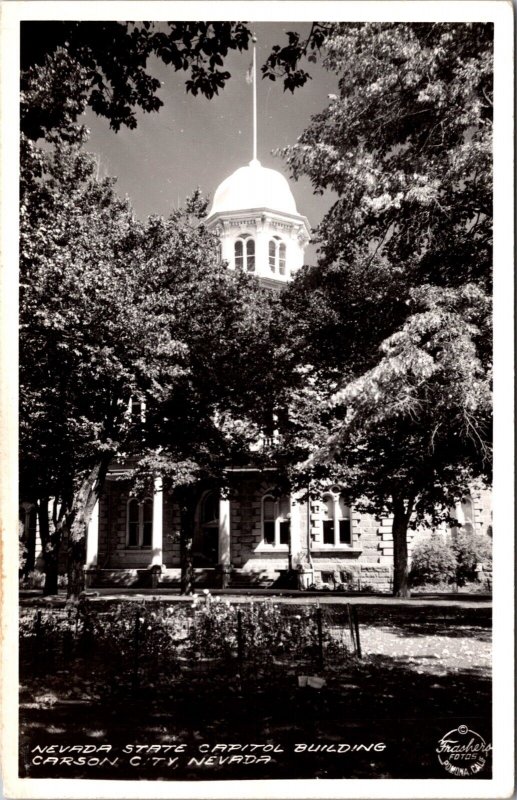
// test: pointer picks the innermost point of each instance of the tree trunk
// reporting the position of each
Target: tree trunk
(75, 566)
(401, 516)
(187, 498)
(76, 522)
(187, 510)
(30, 543)
(50, 547)
(51, 574)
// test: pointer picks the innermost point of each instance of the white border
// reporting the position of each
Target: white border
(498, 11)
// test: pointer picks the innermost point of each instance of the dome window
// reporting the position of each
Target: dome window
(281, 258)
(272, 255)
(244, 253)
(277, 255)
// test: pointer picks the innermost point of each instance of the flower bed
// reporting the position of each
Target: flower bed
(134, 642)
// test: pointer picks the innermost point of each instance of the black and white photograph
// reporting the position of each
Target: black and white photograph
(257, 544)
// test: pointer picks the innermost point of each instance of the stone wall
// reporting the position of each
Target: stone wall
(248, 552)
(368, 561)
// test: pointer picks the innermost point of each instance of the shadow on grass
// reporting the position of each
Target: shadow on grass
(416, 630)
(395, 714)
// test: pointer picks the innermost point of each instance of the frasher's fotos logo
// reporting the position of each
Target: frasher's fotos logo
(463, 752)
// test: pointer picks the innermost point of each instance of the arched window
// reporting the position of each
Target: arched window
(133, 523)
(272, 255)
(276, 520)
(239, 254)
(139, 523)
(467, 509)
(244, 253)
(335, 518)
(206, 540)
(210, 509)
(281, 258)
(250, 255)
(147, 523)
(137, 409)
(277, 255)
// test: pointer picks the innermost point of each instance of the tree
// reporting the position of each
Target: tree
(91, 336)
(398, 332)
(94, 332)
(113, 309)
(68, 65)
(209, 422)
(105, 65)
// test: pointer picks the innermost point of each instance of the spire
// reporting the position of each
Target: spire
(254, 79)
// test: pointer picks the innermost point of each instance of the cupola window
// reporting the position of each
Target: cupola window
(276, 253)
(244, 253)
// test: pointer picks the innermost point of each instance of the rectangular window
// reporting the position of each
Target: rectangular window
(345, 531)
(269, 532)
(328, 531)
(132, 539)
(284, 532)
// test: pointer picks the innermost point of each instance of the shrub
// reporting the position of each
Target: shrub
(470, 550)
(433, 562)
(34, 580)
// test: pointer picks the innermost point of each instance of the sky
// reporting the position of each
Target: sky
(195, 142)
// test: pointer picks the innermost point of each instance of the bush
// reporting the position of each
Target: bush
(433, 562)
(470, 551)
(34, 580)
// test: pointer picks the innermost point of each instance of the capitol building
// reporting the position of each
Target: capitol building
(253, 537)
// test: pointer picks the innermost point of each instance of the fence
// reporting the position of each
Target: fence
(133, 644)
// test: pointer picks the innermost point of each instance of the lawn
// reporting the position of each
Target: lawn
(425, 670)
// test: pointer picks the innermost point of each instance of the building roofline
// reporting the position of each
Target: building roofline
(246, 212)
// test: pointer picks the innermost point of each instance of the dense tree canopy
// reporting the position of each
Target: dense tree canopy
(393, 325)
(105, 65)
(69, 65)
(113, 309)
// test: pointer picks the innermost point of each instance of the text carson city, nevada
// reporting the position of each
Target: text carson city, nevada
(136, 755)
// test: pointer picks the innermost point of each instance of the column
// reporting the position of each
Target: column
(295, 530)
(224, 533)
(157, 542)
(92, 539)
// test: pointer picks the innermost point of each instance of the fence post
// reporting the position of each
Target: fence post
(320, 635)
(135, 652)
(37, 647)
(351, 626)
(240, 642)
(66, 638)
(356, 628)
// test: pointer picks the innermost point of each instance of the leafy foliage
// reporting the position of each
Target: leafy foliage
(470, 552)
(67, 66)
(113, 309)
(432, 561)
(393, 325)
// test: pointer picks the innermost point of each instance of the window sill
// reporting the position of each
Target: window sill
(137, 547)
(272, 548)
(335, 548)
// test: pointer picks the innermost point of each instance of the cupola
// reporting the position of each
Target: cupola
(255, 216)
